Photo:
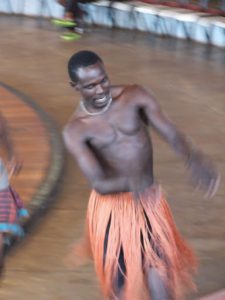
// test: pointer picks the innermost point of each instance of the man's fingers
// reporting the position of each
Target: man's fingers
(206, 181)
(213, 186)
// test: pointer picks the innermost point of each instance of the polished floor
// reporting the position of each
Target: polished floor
(188, 80)
(26, 121)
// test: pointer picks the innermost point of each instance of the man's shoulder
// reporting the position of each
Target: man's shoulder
(136, 93)
(126, 87)
(123, 91)
(74, 127)
(140, 89)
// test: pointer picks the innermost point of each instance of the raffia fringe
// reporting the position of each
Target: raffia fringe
(166, 250)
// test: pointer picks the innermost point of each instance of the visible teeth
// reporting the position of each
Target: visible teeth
(101, 99)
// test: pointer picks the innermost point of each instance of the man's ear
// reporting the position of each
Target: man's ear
(74, 85)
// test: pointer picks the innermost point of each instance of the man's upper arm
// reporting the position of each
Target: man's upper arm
(155, 116)
(162, 124)
(77, 145)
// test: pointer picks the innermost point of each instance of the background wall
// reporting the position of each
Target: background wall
(32, 7)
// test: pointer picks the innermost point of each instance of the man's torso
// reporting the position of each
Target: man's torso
(120, 139)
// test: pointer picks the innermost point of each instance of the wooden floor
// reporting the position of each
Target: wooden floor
(31, 142)
(215, 296)
(32, 134)
(188, 80)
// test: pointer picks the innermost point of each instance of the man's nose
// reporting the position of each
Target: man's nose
(99, 89)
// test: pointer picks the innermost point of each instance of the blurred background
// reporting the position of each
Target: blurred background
(175, 48)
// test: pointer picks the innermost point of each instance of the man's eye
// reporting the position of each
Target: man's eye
(89, 87)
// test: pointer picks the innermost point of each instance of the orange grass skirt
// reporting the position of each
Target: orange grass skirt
(146, 231)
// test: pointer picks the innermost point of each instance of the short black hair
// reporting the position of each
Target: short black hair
(81, 59)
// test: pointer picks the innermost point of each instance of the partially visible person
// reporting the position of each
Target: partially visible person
(12, 209)
(74, 13)
(72, 21)
(130, 231)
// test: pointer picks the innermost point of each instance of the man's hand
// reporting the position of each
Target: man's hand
(203, 173)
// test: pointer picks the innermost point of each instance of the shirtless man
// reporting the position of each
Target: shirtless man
(108, 136)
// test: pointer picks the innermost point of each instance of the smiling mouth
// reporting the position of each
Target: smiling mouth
(100, 102)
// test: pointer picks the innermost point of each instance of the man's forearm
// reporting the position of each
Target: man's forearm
(183, 147)
(192, 156)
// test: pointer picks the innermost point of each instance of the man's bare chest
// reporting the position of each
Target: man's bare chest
(113, 129)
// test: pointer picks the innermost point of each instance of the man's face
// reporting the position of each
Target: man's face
(94, 85)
